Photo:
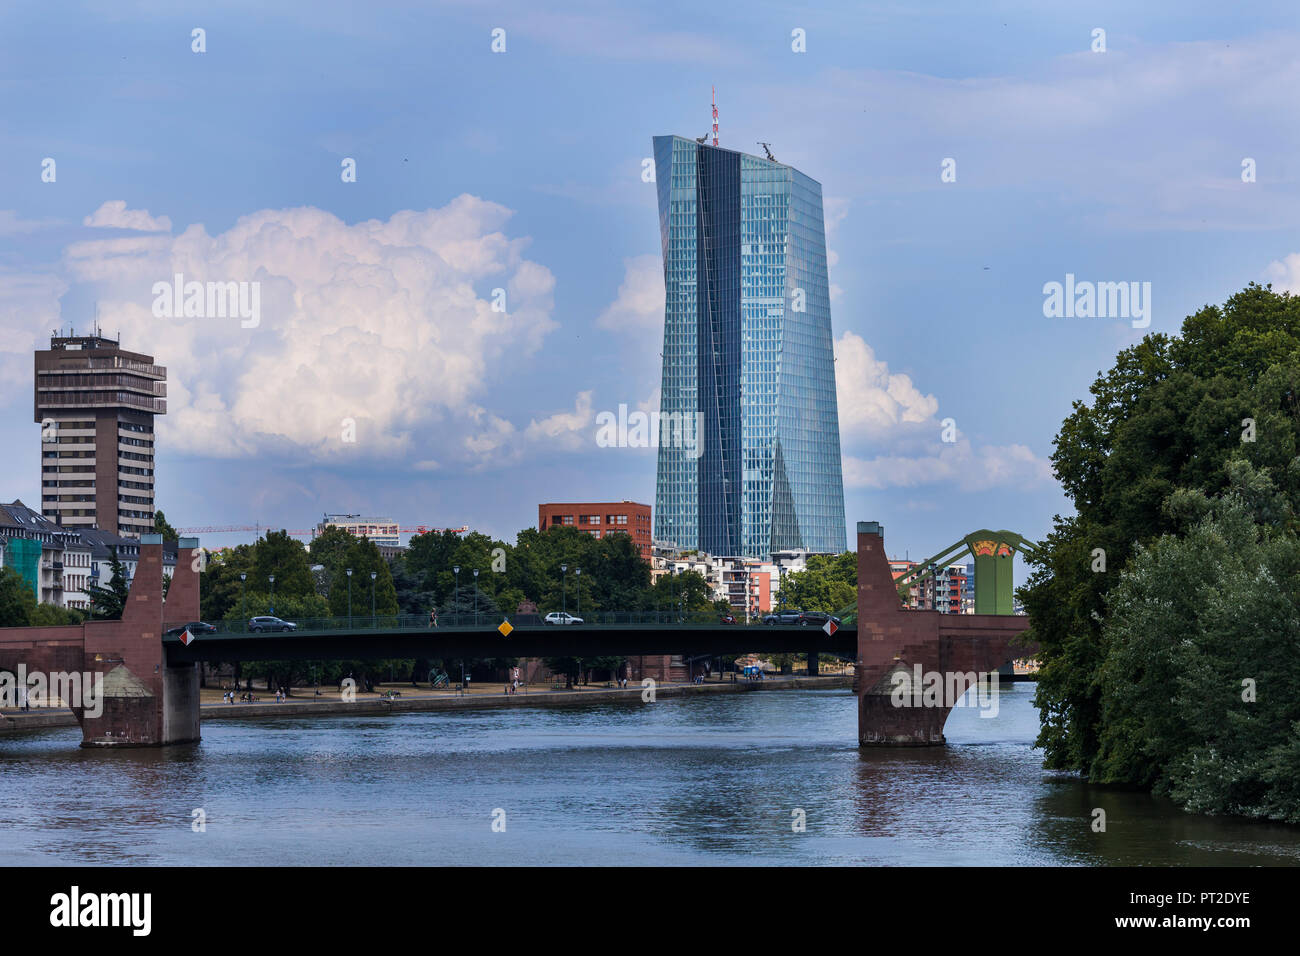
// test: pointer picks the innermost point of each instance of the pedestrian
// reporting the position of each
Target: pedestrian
(433, 617)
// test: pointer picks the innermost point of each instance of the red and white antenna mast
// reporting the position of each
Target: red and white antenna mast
(714, 92)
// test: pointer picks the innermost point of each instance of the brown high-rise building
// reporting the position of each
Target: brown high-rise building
(96, 403)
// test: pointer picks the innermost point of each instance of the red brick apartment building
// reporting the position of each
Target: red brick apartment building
(601, 518)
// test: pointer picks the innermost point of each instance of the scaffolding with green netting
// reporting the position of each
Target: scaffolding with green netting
(23, 555)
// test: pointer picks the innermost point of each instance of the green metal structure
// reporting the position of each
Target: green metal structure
(994, 553)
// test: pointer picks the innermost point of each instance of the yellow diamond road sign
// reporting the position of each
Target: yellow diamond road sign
(505, 628)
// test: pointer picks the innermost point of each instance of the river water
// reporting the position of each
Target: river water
(705, 780)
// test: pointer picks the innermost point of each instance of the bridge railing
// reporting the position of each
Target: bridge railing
(464, 621)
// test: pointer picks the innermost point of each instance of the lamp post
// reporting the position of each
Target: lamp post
(243, 600)
(564, 590)
(456, 571)
(577, 584)
(476, 597)
(373, 575)
(271, 577)
(349, 597)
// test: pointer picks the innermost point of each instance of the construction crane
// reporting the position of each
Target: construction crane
(257, 528)
(770, 157)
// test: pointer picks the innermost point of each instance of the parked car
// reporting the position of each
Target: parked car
(728, 619)
(194, 627)
(257, 625)
(562, 617)
(789, 616)
(817, 617)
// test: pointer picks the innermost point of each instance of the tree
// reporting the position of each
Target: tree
(160, 526)
(1173, 417)
(1201, 658)
(108, 602)
(17, 600)
(828, 583)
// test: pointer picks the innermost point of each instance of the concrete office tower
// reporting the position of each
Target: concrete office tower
(96, 404)
(748, 355)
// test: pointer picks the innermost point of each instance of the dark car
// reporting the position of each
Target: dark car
(728, 619)
(784, 617)
(194, 627)
(257, 625)
(817, 617)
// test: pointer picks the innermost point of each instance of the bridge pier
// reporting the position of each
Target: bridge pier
(813, 670)
(147, 702)
(945, 651)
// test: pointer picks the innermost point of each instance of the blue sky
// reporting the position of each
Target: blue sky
(522, 171)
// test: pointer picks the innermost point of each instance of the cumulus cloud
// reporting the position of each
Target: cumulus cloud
(885, 410)
(387, 323)
(872, 400)
(639, 306)
(1285, 275)
(114, 215)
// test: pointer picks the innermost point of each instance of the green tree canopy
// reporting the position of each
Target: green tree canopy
(1174, 419)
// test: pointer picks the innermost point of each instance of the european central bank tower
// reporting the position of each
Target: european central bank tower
(748, 355)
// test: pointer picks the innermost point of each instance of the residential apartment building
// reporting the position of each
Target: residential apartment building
(946, 590)
(96, 404)
(54, 561)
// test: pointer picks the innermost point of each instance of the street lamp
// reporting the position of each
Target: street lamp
(456, 571)
(476, 597)
(577, 583)
(243, 601)
(564, 589)
(373, 575)
(271, 577)
(349, 597)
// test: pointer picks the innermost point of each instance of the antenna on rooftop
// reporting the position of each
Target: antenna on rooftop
(714, 92)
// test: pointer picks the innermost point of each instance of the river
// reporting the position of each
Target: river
(700, 780)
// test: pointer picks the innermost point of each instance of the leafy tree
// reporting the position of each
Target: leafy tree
(1201, 658)
(17, 600)
(50, 615)
(363, 557)
(108, 602)
(160, 526)
(1172, 418)
(828, 583)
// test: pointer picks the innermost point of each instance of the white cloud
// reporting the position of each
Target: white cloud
(640, 303)
(386, 322)
(567, 430)
(29, 310)
(114, 215)
(872, 400)
(1285, 275)
(959, 464)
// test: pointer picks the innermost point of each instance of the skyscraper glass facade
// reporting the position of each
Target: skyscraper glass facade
(748, 358)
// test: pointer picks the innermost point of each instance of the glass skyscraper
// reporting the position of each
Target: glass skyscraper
(749, 447)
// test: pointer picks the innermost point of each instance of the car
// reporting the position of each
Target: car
(728, 619)
(194, 627)
(817, 617)
(561, 617)
(257, 625)
(791, 616)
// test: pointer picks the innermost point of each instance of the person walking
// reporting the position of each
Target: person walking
(433, 617)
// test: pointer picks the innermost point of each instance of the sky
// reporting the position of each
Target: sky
(967, 158)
